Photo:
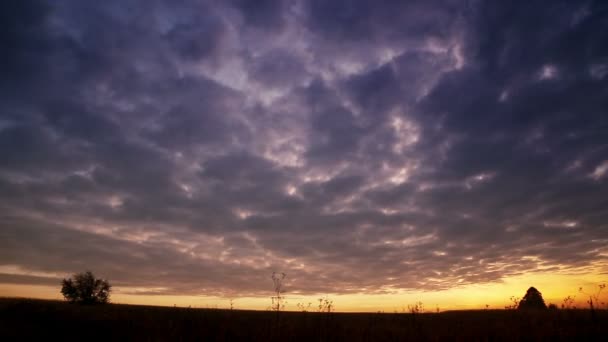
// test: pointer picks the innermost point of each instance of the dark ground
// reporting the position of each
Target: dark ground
(41, 320)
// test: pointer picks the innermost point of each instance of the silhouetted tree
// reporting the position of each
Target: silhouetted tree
(532, 300)
(84, 288)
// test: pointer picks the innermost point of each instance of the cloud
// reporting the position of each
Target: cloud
(195, 148)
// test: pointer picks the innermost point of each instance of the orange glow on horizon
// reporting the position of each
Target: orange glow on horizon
(554, 287)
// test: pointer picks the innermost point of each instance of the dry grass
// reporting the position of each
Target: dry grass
(22, 319)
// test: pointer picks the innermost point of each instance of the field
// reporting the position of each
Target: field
(41, 320)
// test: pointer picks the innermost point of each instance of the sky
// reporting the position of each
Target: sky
(379, 153)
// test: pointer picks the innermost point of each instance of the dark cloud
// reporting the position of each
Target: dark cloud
(265, 14)
(22, 39)
(365, 21)
(194, 147)
(197, 33)
(278, 69)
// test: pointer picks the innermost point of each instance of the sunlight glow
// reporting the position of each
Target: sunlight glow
(554, 287)
(600, 171)
(548, 72)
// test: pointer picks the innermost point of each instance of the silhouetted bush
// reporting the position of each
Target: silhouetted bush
(84, 288)
(532, 300)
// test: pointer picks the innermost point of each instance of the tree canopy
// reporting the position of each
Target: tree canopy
(532, 300)
(84, 288)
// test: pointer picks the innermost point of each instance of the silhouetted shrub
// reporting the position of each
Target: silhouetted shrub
(84, 288)
(532, 300)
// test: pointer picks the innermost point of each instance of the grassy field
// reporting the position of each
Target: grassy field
(41, 320)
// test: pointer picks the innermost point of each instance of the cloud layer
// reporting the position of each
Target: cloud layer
(194, 147)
